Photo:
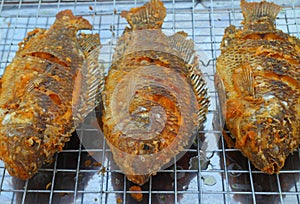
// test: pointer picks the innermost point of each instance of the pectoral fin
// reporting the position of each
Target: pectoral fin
(244, 81)
(229, 141)
(219, 84)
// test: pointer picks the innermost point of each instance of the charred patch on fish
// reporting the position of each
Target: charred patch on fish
(260, 93)
(155, 98)
(46, 91)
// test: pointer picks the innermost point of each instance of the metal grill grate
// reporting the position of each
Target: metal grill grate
(208, 173)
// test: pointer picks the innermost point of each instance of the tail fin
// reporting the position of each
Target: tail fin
(255, 10)
(149, 16)
(67, 18)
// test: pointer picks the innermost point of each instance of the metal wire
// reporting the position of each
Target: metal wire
(208, 173)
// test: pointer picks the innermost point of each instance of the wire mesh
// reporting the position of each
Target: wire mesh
(208, 173)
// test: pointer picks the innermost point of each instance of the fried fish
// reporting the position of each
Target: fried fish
(46, 91)
(155, 97)
(258, 80)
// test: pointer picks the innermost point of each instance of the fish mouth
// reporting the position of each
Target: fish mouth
(138, 179)
(274, 160)
(20, 170)
(274, 167)
(270, 165)
(22, 166)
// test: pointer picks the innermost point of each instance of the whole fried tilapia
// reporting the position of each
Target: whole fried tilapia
(154, 96)
(48, 88)
(258, 80)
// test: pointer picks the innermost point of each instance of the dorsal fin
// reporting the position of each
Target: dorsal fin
(149, 16)
(88, 86)
(185, 51)
(256, 10)
(199, 86)
(90, 78)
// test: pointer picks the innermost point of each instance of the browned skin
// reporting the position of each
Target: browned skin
(37, 94)
(147, 97)
(144, 47)
(259, 68)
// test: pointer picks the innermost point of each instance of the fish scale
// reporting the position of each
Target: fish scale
(258, 82)
(155, 98)
(39, 105)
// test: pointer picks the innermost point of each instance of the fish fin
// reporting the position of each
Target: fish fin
(149, 16)
(67, 18)
(184, 47)
(254, 10)
(88, 42)
(244, 80)
(219, 84)
(199, 86)
(0, 85)
(229, 141)
(35, 82)
(185, 50)
(89, 79)
(89, 83)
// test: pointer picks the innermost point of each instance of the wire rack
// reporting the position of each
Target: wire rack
(208, 173)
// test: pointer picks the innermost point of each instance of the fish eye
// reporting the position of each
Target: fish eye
(33, 167)
(146, 147)
(32, 142)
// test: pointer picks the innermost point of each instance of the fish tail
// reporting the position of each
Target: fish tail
(148, 16)
(255, 10)
(67, 18)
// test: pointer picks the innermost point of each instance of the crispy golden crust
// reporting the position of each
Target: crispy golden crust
(36, 116)
(167, 143)
(259, 70)
(164, 103)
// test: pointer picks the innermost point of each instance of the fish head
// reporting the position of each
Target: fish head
(266, 136)
(22, 157)
(21, 146)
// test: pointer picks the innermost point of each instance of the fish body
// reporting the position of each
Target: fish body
(154, 95)
(41, 98)
(258, 80)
